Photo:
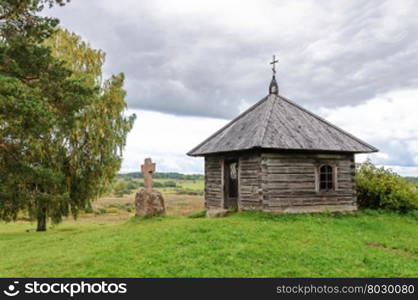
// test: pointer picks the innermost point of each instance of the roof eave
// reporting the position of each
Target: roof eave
(193, 154)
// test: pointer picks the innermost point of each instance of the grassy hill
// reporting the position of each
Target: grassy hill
(365, 244)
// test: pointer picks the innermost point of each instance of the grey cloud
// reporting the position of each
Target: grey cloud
(397, 154)
(193, 66)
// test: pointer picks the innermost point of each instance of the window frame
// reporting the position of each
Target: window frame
(334, 180)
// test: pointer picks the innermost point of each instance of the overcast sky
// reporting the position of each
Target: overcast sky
(192, 65)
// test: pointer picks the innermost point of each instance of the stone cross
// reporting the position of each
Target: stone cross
(148, 168)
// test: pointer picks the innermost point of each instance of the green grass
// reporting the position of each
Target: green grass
(186, 184)
(192, 184)
(365, 244)
(183, 186)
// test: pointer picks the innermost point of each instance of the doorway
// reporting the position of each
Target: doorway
(231, 184)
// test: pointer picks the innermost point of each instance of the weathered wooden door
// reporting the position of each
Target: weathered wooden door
(231, 183)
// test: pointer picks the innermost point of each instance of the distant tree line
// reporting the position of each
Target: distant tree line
(411, 179)
(163, 175)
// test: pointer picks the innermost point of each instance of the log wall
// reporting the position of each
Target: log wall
(290, 182)
(283, 182)
(213, 182)
(249, 185)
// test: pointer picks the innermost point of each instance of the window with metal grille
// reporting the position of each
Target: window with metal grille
(326, 181)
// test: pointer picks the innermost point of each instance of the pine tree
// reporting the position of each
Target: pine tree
(62, 131)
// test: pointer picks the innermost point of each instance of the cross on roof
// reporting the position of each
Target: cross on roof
(274, 64)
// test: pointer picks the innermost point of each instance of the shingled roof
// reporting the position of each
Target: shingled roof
(277, 123)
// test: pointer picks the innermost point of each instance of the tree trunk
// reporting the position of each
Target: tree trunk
(41, 221)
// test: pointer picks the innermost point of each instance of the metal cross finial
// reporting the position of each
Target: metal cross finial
(274, 88)
(274, 64)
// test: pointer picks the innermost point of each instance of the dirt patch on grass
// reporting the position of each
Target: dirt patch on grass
(374, 244)
(392, 249)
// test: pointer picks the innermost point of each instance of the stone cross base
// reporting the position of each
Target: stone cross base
(149, 203)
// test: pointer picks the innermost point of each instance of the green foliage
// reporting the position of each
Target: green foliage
(77, 55)
(122, 206)
(100, 133)
(157, 184)
(89, 210)
(170, 183)
(100, 211)
(200, 214)
(412, 179)
(382, 188)
(132, 185)
(120, 188)
(38, 106)
(18, 20)
(164, 184)
(362, 244)
(62, 129)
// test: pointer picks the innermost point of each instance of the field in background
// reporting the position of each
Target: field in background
(185, 198)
